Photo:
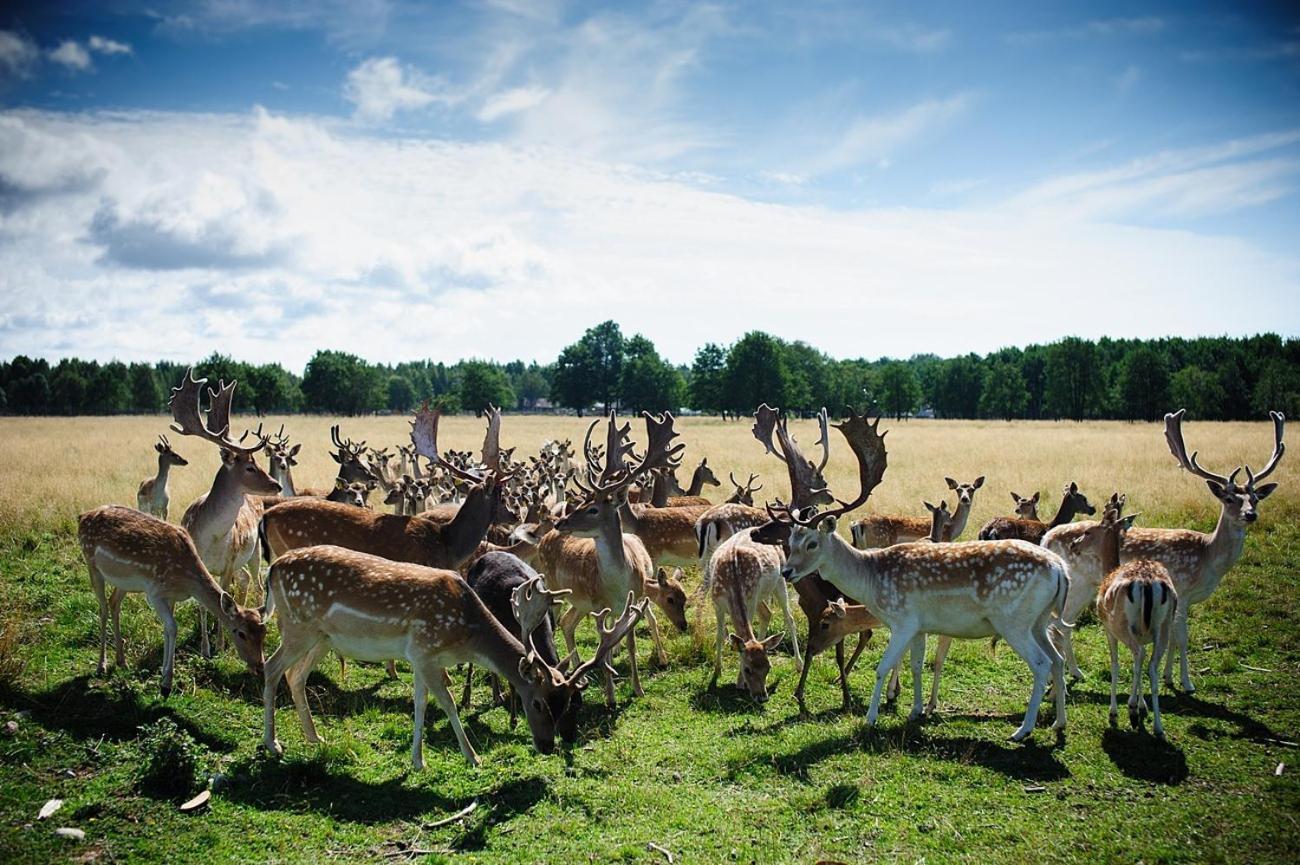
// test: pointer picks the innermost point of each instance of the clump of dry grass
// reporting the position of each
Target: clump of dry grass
(54, 468)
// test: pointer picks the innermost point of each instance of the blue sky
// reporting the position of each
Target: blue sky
(489, 178)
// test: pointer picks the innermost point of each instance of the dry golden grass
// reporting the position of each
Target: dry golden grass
(51, 469)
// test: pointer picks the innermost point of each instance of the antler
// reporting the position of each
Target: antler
(610, 636)
(618, 446)
(660, 452)
(492, 439)
(345, 445)
(1174, 436)
(807, 487)
(188, 418)
(1279, 448)
(424, 437)
(530, 603)
(868, 445)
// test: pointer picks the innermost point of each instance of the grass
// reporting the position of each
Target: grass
(705, 774)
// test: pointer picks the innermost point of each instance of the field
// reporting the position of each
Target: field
(702, 773)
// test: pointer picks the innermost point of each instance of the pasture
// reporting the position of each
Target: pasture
(705, 774)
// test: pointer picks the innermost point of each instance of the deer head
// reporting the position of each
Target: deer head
(1240, 502)
(965, 492)
(237, 462)
(167, 455)
(1026, 508)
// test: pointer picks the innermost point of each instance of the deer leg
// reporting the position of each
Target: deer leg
(720, 640)
(1114, 676)
(1153, 671)
(297, 676)
(651, 622)
(163, 609)
(631, 659)
(1136, 705)
(1024, 645)
(1042, 634)
(803, 675)
(497, 699)
(763, 619)
(568, 625)
(846, 699)
(392, 669)
(783, 597)
(115, 607)
(469, 686)
(294, 646)
(434, 681)
(918, 661)
(940, 655)
(421, 700)
(899, 639)
(97, 583)
(864, 637)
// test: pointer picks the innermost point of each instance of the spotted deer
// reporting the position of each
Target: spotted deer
(223, 521)
(134, 552)
(153, 496)
(1073, 503)
(370, 608)
(883, 530)
(1196, 561)
(309, 522)
(667, 532)
(965, 590)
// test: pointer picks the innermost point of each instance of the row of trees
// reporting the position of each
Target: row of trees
(1214, 378)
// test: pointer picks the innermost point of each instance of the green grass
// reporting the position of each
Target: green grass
(705, 774)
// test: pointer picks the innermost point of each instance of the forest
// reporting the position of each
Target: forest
(1214, 378)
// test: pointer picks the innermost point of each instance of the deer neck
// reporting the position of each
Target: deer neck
(739, 610)
(164, 468)
(854, 572)
(1110, 551)
(470, 525)
(610, 555)
(224, 501)
(1223, 547)
(207, 594)
(1064, 513)
(659, 491)
(286, 483)
(499, 650)
(697, 483)
(959, 517)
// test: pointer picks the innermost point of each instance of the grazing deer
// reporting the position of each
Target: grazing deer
(223, 521)
(1073, 503)
(153, 497)
(1136, 603)
(369, 608)
(744, 494)
(135, 552)
(741, 575)
(1196, 561)
(610, 564)
(967, 590)
(309, 522)
(883, 530)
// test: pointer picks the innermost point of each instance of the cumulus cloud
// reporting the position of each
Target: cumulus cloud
(18, 55)
(102, 45)
(381, 86)
(268, 237)
(71, 55)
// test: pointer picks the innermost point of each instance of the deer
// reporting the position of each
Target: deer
(744, 494)
(667, 532)
(669, 493)
(741, 575)
(883, 530)
(223, 521)
(137, 552)
(1136, 603)
(370, 608)
(967, 590)
(1073, 503)
(356, 494)
(153, 497)
(309, 522)
(1026, 507)
(598, 562)
(1196, 561)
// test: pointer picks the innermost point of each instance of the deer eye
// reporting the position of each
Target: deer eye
(826, 626)
(812, 545)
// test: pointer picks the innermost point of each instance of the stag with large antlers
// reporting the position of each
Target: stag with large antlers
(601, 564)
(222, 521)
(1196, 561)
(373, 609)
(309, 522)
(153, 497)
(882, 530)
(967, 590)
(134, 552)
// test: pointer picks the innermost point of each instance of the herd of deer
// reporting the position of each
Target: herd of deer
(448, 577)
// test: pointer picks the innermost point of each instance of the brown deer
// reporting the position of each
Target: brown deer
(1026, 507)
(966, 590)
(309, 522)
(1196, 561)
(601, 564)
(667, 532)
(153, 497)
(669, 493)
(1073, 503)
(374, 609)
(134, 552)
(883, 530)
(222, 521)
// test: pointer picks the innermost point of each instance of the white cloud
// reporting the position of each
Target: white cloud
(381, 86)
(874, 140)
(269, 237)
(511, 101)
(71, 55)
(103, 45)
(18, 55)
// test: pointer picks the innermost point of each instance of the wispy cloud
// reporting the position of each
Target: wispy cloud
(874, 140)
(1128, 79)
(511, 101)
(102, 45)
(1146, 25)
(18, 55)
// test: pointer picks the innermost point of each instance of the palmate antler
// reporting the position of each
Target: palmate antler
(188, 418)
(868, 446)
(424, 437)
(610, 637)
(807, 485)
(660, 452)
(531, 602)
(1177, 447)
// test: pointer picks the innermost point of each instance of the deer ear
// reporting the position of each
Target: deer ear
(1127, 522)
(736, 643)
(158, 447)
(827, 526)
(979, 482)
(929, 507)
(952, 484)
(338, 459)
(1072, 488)
(340, 484)
(1265, 491)
(773, 641)
(1035, 498)
(661, 576)
(228, 605)
(839, 608)
(228, 457)
(1217, 488)
(1015, 498)
(293, 451)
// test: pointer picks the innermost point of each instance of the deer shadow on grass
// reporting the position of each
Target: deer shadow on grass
(87, 707)
(1184, 705)
(1144, 757)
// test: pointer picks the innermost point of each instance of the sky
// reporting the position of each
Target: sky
(488, 179)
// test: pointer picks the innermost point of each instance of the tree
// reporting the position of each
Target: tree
(401, 396)
(708, 384)
(1142, 388)
(532, 386)
(341, 383)
(756, 373)
(1073, 383)
(590, 370)
(271, 388)
(111, 391)
(649, 383)
(958, 384)
(483, 384)
(899, 392)
(1005, 395)
(146, 395)
(572, 385)
(1278, 389)
(1198, 391)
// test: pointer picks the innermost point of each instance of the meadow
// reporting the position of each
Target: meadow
(699, 772)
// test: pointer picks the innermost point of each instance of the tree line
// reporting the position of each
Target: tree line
(1214, 378)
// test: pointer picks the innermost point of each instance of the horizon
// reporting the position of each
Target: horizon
(264, 181)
